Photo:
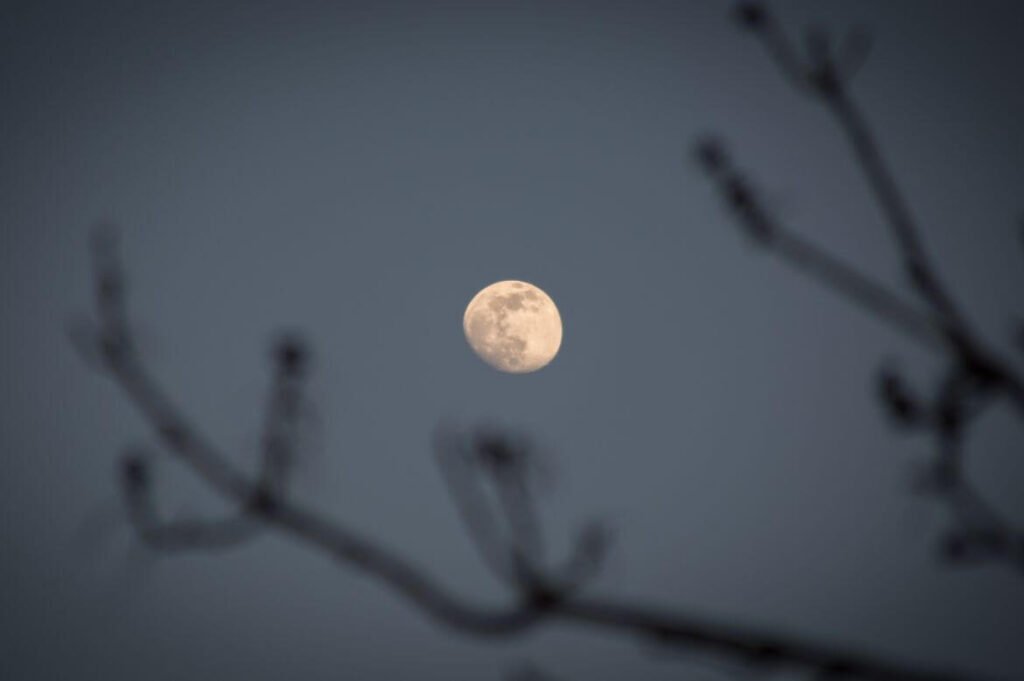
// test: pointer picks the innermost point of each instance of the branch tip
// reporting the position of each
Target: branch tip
(291, 354)
(134, 470)
(710, 154)
(751, 15)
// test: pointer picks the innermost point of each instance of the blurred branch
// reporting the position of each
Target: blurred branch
(277, 459)
(489, 476)
(812, 260)
(488, 473)
(820, 75)
(282, 422)
(178, 535)
(261, 497)
(975, 376)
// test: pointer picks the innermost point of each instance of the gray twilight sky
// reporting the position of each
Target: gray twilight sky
(359, 171)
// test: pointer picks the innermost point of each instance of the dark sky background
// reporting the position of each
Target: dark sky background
(359, 171)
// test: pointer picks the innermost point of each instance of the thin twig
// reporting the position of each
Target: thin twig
(811, 259)
(975, 375)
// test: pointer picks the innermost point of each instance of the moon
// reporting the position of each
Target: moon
(513, 326)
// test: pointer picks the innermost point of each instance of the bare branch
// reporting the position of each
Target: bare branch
(588, 553)
(754, 17)
(282, 421)
(853, 53)
(502, 521)
(487, 476)
(178, 535)
(916, 263)
(820, 76)
(507, 464)
(812, 260)
(121, 361)
(975, 376)
(830, 87)
(184, 441)
(455, 460)
(545, 597)
(981, 533)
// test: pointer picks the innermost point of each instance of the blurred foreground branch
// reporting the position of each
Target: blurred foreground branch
(489, 473)
(489, 477)
(975, 377)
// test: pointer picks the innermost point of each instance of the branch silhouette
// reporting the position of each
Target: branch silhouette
(975, 376)
(488, 473)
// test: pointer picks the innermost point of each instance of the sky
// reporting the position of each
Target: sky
(358, 171)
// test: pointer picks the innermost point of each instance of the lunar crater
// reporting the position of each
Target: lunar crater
(513, 326)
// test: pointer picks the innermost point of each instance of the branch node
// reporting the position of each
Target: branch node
(263, 502)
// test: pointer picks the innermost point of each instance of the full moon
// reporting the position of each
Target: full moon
(513, 326)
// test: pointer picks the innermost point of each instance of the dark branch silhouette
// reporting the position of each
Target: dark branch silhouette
(490, 474)
(975, 376)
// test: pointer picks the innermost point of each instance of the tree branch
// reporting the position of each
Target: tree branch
(814, 261)
(178, 535)
(975, 378)
(538, 595)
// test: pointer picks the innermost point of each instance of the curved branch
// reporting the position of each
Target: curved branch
(819, 76)
(975, 373)
(810, 259)
(178, 535)
(534, 602)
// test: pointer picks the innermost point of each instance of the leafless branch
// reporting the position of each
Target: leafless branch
(510, 538)
(282, 422)
(178, 535)
(827, 269)
(975, 376)
(488, 472)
